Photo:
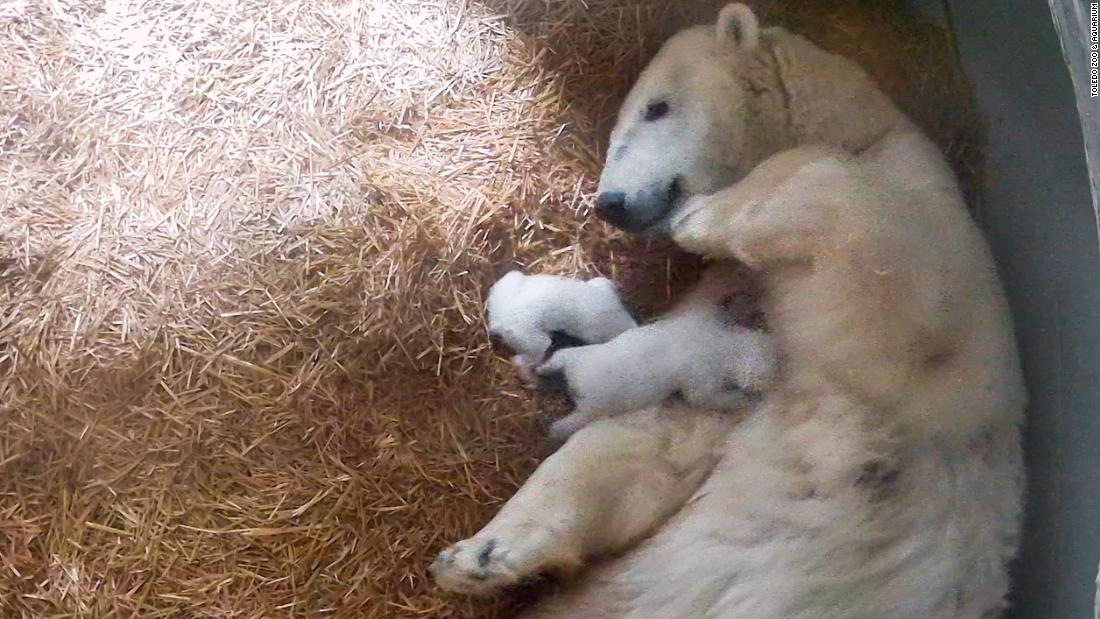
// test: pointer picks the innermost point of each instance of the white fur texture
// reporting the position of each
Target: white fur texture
(882, 475)
(627, 368)
(524, 310)
(643, 367)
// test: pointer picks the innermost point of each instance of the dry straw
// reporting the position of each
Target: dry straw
(243, 250)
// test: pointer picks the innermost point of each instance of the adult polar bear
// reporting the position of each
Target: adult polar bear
(882, 476)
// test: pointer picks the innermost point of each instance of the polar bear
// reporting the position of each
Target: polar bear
(881, 475)
(534, 315)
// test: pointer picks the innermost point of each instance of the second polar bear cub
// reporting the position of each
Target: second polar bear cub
(620, 367)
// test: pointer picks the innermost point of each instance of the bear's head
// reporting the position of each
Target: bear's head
(717, 100)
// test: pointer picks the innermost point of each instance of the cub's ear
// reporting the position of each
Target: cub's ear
(737, 26)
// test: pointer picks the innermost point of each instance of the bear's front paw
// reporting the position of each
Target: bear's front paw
(697, 226)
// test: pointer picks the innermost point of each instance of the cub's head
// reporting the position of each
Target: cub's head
(682, 128)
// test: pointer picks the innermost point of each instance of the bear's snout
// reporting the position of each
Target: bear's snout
(643, 209)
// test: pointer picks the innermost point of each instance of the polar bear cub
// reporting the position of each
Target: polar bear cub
(621, 367)
(527, 313)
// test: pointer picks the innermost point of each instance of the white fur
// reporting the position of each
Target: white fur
(627, 368)
(643, 367)
(882, 475)
(737, 26)
(525, 309)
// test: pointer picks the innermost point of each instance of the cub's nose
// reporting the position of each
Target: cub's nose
(611, 207)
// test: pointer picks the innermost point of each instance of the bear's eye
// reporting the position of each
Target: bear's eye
(656, 110)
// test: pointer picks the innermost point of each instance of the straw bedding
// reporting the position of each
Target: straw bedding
(243, 249)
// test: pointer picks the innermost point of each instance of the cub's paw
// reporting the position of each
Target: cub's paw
(529, 369)
(567, 426)
(476, 566)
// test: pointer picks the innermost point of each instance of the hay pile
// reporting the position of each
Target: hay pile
(243, 247)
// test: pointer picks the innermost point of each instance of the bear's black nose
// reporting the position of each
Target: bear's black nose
(611, 207)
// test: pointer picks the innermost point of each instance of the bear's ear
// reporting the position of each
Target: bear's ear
(737, 26)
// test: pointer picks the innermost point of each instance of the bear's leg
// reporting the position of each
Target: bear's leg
(854, 284)
(613, 482)
(786, 209)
